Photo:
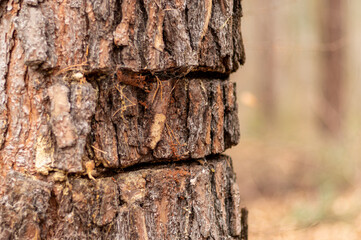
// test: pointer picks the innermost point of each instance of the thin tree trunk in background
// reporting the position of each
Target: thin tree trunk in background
(267, 69)
(113, 119)
(332, 87)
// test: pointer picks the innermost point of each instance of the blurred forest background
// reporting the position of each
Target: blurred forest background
(298, 163)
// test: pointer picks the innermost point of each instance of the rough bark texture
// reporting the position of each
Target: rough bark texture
(180, 201)
(176, 119)
(95, 96)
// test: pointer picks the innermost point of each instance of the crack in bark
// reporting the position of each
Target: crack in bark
(4, 90)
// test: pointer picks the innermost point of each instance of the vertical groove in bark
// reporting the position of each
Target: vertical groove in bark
(6, 48)
(14, 155)
(88, 88)
(244, 224)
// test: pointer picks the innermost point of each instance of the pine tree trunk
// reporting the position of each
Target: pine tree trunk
(113, 118)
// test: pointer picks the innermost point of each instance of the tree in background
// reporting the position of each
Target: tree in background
(332, 81)
(267, 57)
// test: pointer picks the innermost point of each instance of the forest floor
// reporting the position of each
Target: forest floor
(294, 193)
(281, 218)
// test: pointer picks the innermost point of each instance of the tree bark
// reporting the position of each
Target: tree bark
(113, 118)
(180, 201)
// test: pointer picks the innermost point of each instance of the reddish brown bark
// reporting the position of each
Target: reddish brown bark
(183, 201)
(98, 99)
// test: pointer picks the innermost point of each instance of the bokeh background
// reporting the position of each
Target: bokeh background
(298, 162)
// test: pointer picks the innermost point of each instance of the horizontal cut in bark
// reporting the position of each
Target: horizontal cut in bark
(141, 36)
(141, 119)
(118, 125)
(47, 117)
(183, 201)
(173, 119)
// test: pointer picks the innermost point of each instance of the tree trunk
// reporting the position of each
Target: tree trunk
(332, 86)
(113, 118)
(267, 75)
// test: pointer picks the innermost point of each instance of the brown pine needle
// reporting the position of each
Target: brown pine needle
(123, 107)
(157, 89)
(224, 24)
(70, 68)
(97, 149)
(116, 112)
(161, 88)
(174, 86)
(172, 134)
(123, 95)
